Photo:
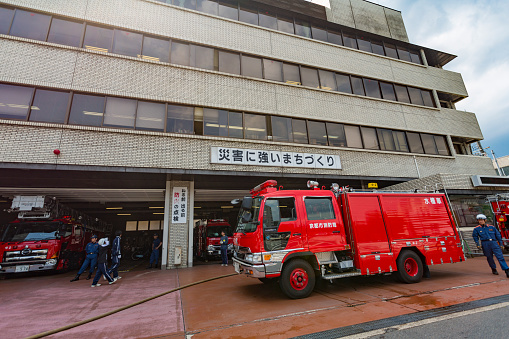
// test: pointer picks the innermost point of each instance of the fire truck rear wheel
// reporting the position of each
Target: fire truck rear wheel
(410, 269)
(297, 279)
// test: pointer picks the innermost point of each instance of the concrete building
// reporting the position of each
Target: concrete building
(503, 164)
(112, 106)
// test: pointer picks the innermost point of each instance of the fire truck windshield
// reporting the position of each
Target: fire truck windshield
(30, 231)
(248, 218)
(215, 231)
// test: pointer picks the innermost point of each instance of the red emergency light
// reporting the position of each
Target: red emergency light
(264, 185)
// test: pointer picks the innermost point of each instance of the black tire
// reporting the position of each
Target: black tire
(410, 268)
(297, 279)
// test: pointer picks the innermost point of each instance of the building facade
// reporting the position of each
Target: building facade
(115, 102)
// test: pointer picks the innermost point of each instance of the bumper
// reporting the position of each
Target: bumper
(251, 270)
(21, 268)
(217, 253)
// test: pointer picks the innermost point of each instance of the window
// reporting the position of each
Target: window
(229, 11)
(255, 127)
(215, 122)
(317, 133)
(98, 38)
(364, 44)
(65, 32)
(272, 70)
(285, 25)
(127, 43)
(180, 119)
(300, 131)
(310, 77)
(427, 97)
(6, 16)
(343, 82)
(390, 51)
(415, 57)
(404, 54)
(335, 38)
(428, 141)
(205, 58)
(327, 80)
(252, 67)
(415, 96)
(235, 126)
(120, 112)
(319, 33)
(249, 16)
(302, 28)
(150, 116)
(15, 101)
(369, 138)
(441, 143)
(349, 40)
(268, 20)
(49, 106)
(386, 139)
(357, 86)
(377, 47)
(30, 25)
(414, 142)
(319, 208)
(372, 88)
(229, 62)
(291, 74)
(282, 129)
(276, 211)
(388, 91)
(400, 141)
(336, 133)
(156, 49)
(353, 136)
(180, 53)
(87, 110)
(191, 4)
(207, 6)
(402, 93)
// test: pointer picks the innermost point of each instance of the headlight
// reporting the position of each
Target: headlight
(254, 258)
(210, 247)
(51, 262)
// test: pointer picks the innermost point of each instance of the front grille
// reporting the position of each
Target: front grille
(25, 255)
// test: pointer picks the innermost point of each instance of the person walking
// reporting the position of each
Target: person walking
(491, 243)
(154, 256)
(92, 250)
(102, 261)
(224, 248)
(115, 255)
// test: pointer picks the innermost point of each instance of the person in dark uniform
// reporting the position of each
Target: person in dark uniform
(491, 243)
(92, 250)
(115, 255)
(102, 261)
(224, 248)
(154, 256)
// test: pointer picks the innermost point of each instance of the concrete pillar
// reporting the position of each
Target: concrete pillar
(423, 57)
(166, 224)
(436, 98)
(451, 145)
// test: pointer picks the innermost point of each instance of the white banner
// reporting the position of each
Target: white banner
(239, 156)
(325, 3)
(179, 205)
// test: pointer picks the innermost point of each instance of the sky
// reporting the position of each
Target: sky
(477, 31)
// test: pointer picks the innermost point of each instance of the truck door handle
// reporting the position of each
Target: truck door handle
(297, 234)
(336, 232)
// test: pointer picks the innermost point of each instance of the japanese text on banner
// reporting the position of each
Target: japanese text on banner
(179, 205)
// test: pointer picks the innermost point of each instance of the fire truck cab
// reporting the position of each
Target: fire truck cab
(208, 236)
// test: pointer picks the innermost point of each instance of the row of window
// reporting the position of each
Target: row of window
(43, 105)
(257, 16)
(52, 29)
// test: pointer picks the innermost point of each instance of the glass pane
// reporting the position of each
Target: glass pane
(252, 67)
(65, 32)
(427, 97)
(230, 11)
(5, 19)
(400, 141)
(267, 19)
(335, 38)
(150, 116)
(49, 106)
(319, 33)
(205, 58)
(249, 16)
(120, 112)
(300, 131)
(441, 145)
(98, 38)
(317, 133)
(30, 25)
(302, 28)
(272, 70)
(414, 141)
(87, 110)
(156, 49)
(415, 96)
(180, 53)
(336, 133)
(372, 88)
(310, 77)
(416, 57)
(349, 40)
(180, 119)
(255, 127)
(282, 129)
(14, 101)
(428, 141)
(386, 140)
(353, 136)
(327, 80)
(358, 87)
(364, 44)
(388, 91)
(191, 4)
(369, 138)
(127, 43)
(343, 82)
(390, 51)
(319, 208)
(235, 127)
(207, 6)
(377, 47)
(404, 54)
(215, 122)
(285, 25)
(229, 62)
(402, 93)
(291, 74)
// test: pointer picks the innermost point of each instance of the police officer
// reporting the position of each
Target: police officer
(92, 250)
(154, 256)
(115, 255)
(491, 241)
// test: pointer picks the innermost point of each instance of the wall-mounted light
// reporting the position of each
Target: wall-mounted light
(114, 208)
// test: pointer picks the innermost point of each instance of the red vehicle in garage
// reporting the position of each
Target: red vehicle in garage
(207, 237)
(294, 236)
(45, 236)
(500, 206)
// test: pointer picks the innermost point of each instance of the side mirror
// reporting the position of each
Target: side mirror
(247, 203)
(236, 201)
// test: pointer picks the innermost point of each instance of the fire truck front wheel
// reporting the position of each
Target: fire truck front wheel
(297, 279)
(410, 269)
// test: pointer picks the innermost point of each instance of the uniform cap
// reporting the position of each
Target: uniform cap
(93, 236)
(480, 216)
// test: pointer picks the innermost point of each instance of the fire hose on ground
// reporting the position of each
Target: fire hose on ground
(64, 328)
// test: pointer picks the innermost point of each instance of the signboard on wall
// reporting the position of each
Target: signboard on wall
(325, 3)
(239, 156)
(179, 205)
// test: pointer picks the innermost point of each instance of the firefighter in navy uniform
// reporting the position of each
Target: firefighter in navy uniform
(115, 255)
(92, 250)
(491, 243)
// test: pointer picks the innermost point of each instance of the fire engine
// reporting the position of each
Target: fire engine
(46, 236)
(295, 236)
(500, 207)
(207, 237)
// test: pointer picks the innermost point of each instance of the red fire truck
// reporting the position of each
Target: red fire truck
(500, 206)
(45, 236)
(295, 236)
(207, 237)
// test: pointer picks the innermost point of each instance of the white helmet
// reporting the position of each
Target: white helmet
(481, 216)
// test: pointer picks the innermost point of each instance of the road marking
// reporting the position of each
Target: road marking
(383, 331)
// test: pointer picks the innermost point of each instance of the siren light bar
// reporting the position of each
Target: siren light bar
(264, 185)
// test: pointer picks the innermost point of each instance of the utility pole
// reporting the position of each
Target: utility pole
(502, 174)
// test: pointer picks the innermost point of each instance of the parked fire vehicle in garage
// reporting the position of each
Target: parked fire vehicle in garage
(207, 237)
(45, 236)
(295, 236)
(500, 206)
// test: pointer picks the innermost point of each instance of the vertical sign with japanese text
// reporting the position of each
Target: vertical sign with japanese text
(179, 205)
